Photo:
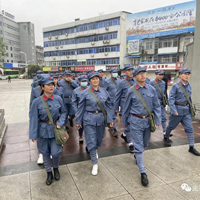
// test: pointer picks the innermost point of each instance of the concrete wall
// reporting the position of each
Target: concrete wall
(193, 62)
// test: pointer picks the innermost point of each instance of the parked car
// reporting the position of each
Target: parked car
(22, 76)
(2, 77)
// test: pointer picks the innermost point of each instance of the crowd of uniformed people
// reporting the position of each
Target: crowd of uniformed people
(94, 102)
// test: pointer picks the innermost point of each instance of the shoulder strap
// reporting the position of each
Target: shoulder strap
(40, 90)
(159, 88)
(128, 83)
(113, 82)
(100, 83)
(68, 85)
(141, 99)
(185, 93)
(47, 109)
(97, 100)
(80, 88)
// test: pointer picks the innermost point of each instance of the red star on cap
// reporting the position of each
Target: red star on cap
(129, 65)
(49, 77)
(93, 72)
(83, 76)
(139, 66)
(160, 70)
(187, 69)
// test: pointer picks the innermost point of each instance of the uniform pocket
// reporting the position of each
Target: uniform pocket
(41, 109)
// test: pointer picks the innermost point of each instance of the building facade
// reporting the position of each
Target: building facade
(95, 43)
(39, 55)
(19, 37)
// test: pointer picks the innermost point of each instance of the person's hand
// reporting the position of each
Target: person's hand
(158, 126)
(78, 126)
(34, 140)
(58, 127)
(69, 80)
(75, 115)
(111, 125)
(117, 111)
(175, 114)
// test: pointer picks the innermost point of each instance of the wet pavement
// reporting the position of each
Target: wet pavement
(167, 167)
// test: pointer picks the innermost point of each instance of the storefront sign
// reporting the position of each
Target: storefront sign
(166, 66)
(46, 69)
(54, 69)
(149, 67)
(85, 68)
(179, 65)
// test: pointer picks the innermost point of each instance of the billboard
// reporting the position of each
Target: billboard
(169, 20)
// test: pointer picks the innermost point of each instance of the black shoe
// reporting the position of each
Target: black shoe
(170, 135)
(67, 128)
(80, 140)
(144, 179)
(49, 178)
(131, 148)
(194, 151)
(114, 132)
(167, 142)
(71, 123)
(87, 150)
(56, 174)
(124, 137)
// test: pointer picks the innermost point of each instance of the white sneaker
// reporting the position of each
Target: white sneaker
(95, 170)
(97, 155)
(40, 159)
(164, 133)
(51, 157)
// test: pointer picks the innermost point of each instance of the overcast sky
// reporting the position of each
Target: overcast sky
(44, 13)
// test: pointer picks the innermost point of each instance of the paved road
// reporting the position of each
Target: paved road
(14, 98)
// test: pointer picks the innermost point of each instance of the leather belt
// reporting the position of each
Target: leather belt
(96, 111)
(160, 99)
(68, 97)
(181, 104)
(140, 116)
(47, 122)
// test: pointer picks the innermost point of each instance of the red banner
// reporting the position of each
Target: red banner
(85, 68)
(179, 65)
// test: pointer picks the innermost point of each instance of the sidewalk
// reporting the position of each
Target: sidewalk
(119, 178)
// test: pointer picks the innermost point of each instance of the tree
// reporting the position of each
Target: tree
(32, 69)
(3, 53)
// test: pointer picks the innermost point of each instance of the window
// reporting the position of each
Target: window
(11, 55)
(149, 45)
(0, 23)
(11, 48)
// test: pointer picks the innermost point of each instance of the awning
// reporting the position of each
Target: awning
(160, 54)
(136, 56)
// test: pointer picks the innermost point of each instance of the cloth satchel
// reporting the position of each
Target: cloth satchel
(61, 134)
(164, 99)
(192, 109)
(151, 115)
(101, 107)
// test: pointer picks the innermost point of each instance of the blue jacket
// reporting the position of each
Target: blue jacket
(76, 96)
(58, 91)
(88, 103)
(111, 88)
(121, 93)
(133, 104)
(176, 95)
(66, 91)
(40, 129)
(161, 85)
(102, 82)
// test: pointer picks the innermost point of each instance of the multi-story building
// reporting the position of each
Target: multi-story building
(19, 37)
(39, 55)
(95, 43)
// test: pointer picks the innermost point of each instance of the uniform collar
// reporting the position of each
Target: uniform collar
(137, 86)
(45, 97)
(94, 89)
(83, 88)
(129, 79)
(57, 86)
(183, 83)
(157, 80)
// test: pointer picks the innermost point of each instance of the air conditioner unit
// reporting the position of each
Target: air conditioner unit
(56, 37)
(66, 34)
(92, 43)
(61, 46)
(145, 52)
(49, 38)
(104, 41)
(107, 41)
(106, 54)
(107, 28)
(75, 53)
(92, 55)
(54, 58)
(67, 56)
(56, 47)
